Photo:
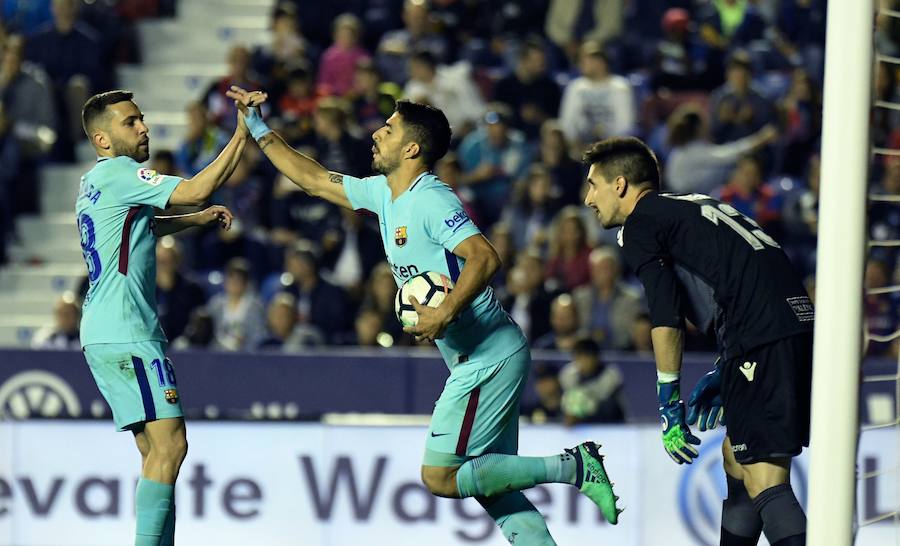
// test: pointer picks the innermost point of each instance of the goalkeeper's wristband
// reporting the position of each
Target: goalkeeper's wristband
(668, 392)
(255, 123)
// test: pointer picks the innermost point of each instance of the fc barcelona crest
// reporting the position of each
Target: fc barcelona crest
(400, 236)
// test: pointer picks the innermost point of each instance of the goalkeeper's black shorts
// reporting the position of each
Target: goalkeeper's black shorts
(766, 392)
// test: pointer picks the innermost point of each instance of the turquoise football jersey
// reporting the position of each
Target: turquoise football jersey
(115, 209)
(419, 231)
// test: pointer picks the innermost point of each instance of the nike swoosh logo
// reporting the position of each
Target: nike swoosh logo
(433, 435)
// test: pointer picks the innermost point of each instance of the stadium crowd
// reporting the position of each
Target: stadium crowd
(727, 92)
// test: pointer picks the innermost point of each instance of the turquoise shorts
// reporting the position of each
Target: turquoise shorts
(137, 381)
(478, 412)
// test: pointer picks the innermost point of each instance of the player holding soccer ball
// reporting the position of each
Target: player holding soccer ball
(473, 437)
(123, 342)
(701, 259)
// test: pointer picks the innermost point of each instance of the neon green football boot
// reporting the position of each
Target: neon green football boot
(591, 479)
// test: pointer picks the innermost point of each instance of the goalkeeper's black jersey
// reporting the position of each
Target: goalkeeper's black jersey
(702, 260)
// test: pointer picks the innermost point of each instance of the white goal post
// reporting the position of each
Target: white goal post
(839, 272)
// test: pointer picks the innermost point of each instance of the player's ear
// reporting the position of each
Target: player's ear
(100, 139)
(621, 185)
(412, 150)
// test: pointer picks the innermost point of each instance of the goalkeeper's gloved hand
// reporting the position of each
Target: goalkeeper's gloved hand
(705, 403)
(676, 436)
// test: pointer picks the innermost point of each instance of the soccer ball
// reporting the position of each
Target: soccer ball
(429, 288)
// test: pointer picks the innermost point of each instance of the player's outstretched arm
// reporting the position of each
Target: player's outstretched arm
(482, 262)
(303, 171)
(166, 225)
(196, 190)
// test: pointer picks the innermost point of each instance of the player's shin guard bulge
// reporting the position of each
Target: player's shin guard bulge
(591, 479)
(518, 519)
(741, 524)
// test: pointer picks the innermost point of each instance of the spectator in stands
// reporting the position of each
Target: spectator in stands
(297, 104)
(526, 298)
(501, 237)
(680, 60)
(799, 35)
(350, 250)
(373, 98)
(28, 97)
(592, 389)
(338, 63)
(736, 109)
(270, 61)
(221, 108)
(881, 310)
(10, 158)
(64, 332)
(449, 88)
(296, 215)
(885, 121)
(569, 22)
(177, 295)
(70, 52)
(162, 161)
(884, 217)
(565, 328)
(493, 156)
(751, 196)
(597, 104)
(728, 23)
(801, 220)
(237, 313)
(529, 90)
(800, 115)
(397, 46)
(379, 298)
(640, 340)
(450, 171)
(533, 209)
(565, 173)
(335, 147)
(244, 191)
(694, 164)
(203, 140)
(284, 333)
(568, 265)
(607, 306)
(368, 328)
(320, 304)
(198, 334)
(548, 407)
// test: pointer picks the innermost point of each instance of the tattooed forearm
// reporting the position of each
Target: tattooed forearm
(336, 178)
(265, 141)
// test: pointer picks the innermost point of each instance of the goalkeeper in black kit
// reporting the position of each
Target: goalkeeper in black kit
(701, 260)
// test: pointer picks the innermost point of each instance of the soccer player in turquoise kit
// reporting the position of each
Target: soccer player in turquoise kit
(123, 342)
(472, 441)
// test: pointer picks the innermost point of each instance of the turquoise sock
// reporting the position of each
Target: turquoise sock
(168, 536)
(153, 501)
(518, 519)
(494, 474)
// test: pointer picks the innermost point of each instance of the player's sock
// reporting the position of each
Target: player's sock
(152, 501)
(494, 474)
(741, 523)
(784, 522)
(168, 536)
(518, 519)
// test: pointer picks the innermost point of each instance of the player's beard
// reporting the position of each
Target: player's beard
(382, 165)
(134, 151)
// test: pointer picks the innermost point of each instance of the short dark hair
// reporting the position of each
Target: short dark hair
(428, 127)
(625, 156)
(586, 346)
(96, 106)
